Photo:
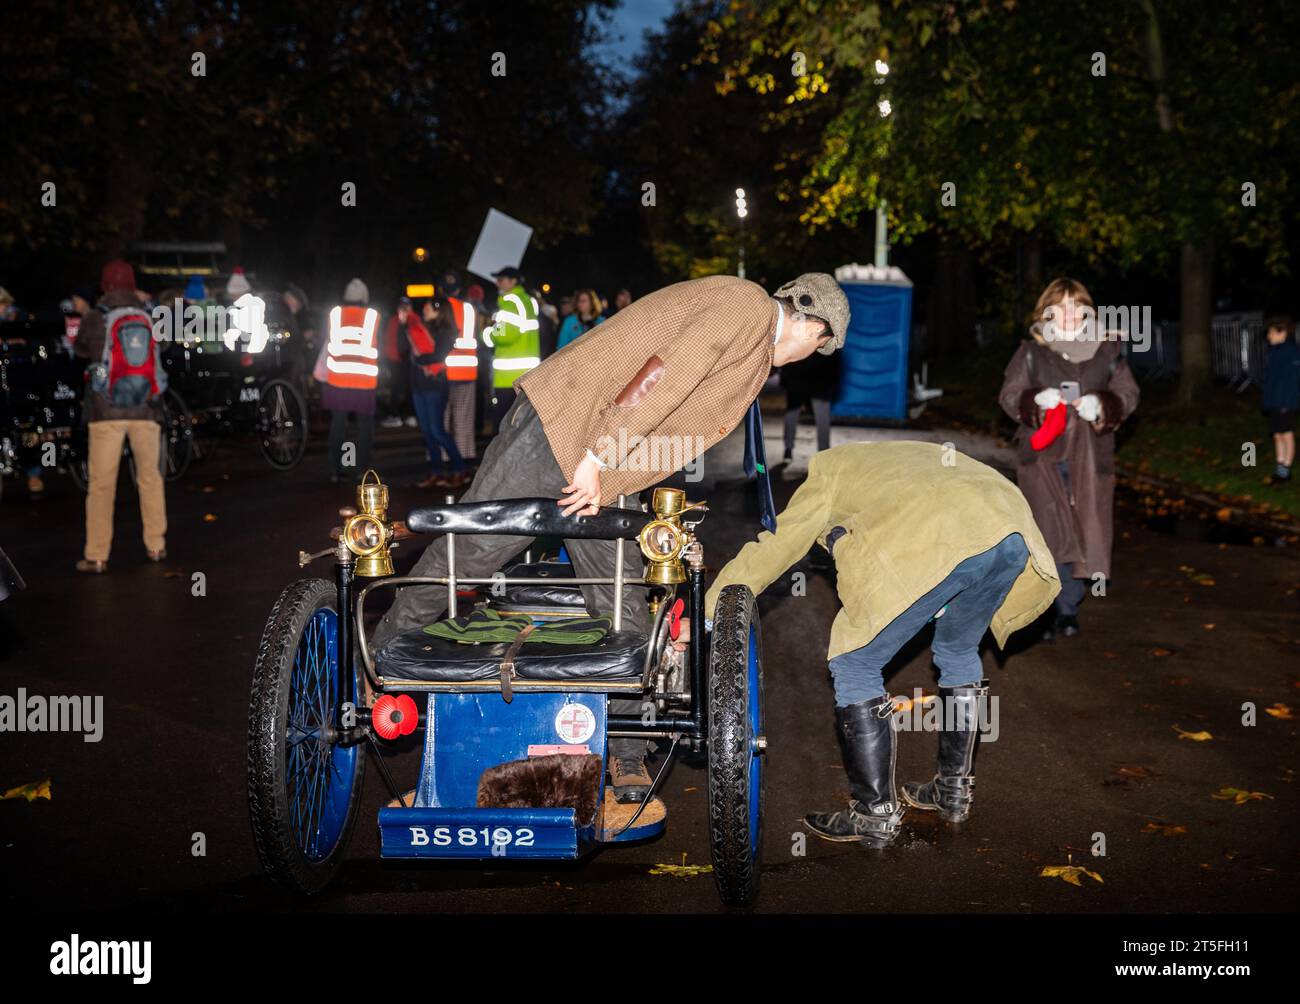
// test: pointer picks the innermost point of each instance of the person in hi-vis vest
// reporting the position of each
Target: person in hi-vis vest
(462, 376)
(349, 368)
(513, 338)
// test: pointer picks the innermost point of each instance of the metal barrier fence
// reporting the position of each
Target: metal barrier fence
(1237, 347)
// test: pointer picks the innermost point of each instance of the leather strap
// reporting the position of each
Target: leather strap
(508, 663)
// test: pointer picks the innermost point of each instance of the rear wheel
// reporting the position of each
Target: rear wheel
(304, 788)
(281, 424)
(178, 436)
(735, 747)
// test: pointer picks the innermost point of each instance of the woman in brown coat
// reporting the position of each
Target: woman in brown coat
(1069, 479)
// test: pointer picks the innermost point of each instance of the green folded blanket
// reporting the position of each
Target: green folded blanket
(486, 626)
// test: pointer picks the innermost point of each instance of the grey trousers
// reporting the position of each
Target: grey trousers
(821, 409)
(518, 463)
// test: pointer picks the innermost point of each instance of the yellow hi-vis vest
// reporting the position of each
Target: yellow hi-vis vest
(462, 360)
(353, 358)
(514, 337)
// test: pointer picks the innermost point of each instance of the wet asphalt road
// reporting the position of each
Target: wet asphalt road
(1089, 741)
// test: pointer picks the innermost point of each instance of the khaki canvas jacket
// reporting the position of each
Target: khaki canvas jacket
(657, 384)
(913, 512)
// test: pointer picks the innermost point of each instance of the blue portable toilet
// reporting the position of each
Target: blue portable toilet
(873, 367)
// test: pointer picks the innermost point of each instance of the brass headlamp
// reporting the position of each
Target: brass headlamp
(368, 533)
(664, 538)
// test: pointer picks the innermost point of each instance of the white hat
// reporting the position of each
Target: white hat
(237, 285)
(356, 292)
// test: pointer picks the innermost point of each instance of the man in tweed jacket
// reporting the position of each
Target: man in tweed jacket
(632, 401)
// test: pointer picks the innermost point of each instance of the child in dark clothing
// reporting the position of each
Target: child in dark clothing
(1281, 393)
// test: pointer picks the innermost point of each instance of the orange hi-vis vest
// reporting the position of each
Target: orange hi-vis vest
(462, 360)
(353, 357)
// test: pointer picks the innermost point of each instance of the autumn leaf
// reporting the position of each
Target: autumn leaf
(1164, 830)
(1239, 796)
(1125, 770)
(1068, 873)
(1199, 737)
(902, 705)
(1280, 710)
(209, 517)
(682, 870)
(1160, 653)
(31, 792)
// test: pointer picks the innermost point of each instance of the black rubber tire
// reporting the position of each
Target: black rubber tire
(294, 401)
(178, 437)
(268, 709)
(737, 868)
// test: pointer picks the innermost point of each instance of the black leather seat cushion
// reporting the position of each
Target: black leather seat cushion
(415, 655)
(542, 595)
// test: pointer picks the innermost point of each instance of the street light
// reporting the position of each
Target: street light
(742, 210)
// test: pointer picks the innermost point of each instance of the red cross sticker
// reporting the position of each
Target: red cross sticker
(575, 723)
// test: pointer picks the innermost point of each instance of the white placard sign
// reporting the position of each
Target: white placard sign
(501, 244)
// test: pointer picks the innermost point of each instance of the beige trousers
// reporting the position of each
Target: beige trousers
(106, 440)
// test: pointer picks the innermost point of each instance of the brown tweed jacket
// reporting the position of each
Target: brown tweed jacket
(696, 355)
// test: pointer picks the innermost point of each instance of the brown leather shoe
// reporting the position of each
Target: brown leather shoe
(92, 567)
(156, 555)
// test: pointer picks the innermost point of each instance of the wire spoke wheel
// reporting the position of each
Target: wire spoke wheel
(304, 786)
(281, 424)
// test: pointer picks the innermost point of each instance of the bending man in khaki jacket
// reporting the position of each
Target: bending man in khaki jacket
(918, 532)
(635, 399)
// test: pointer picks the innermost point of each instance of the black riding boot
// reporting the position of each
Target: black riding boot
(953, 787)
(870, 749)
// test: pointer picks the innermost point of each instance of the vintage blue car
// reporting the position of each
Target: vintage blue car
(514, 735)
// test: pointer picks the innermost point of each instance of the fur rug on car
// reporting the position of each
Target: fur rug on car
(544, 782)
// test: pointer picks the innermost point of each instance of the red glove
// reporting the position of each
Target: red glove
(1053, 425)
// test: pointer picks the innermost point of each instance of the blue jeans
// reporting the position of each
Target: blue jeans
(972, 592)
(430, 406)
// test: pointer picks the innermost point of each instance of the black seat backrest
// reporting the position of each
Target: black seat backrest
(526, 518)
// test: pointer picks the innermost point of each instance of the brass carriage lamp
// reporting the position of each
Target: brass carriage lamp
(367, 533)
(664, 538)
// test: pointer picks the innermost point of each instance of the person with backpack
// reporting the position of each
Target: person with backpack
(1069, 389)
(127, 380)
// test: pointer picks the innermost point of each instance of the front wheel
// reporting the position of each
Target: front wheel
(281, 424)
(304, 787)
(735, 747)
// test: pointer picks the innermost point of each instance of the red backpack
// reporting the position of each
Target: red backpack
(131, 371)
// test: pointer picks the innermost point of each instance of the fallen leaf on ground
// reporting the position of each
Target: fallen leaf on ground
(1239, 796)
(682, 870)
(902, 705)
(1164, 830)
(209, 517)
(31, 792)
(1280, 710)
(1199, 737)
(1125, 770)
(1160, 653)
(1068, 873)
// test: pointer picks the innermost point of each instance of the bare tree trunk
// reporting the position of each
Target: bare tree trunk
(950, 314)
(1196, 273)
